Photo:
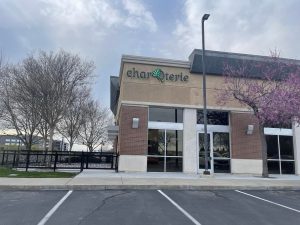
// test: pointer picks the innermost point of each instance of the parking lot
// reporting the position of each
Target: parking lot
(134, 207)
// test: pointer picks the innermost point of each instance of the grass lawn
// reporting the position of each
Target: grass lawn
(6, 172)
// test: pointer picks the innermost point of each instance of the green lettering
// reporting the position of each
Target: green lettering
(129, 73)
(167, 76)
(142, 74)
(171, 77)
(135, 73)
(176, 77)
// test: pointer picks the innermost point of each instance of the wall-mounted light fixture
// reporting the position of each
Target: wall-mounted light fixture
(250, 129)
(135, 122)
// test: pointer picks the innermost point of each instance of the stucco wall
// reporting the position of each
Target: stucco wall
(151, 90)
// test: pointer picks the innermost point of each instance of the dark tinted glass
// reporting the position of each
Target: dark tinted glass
(172, 115)
(213, 117)
(287, 167)
(273, 167)
(155, 164)
(221, 145)
(174, 142)
(221, 165)
(174, 164)
(272, 146)
(286, 147)
(156, 142)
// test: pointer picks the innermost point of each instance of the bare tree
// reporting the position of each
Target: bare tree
(57, 76)
(20, 104)
(93, 130)
(2, 77)
(43, 130)
(72, 120)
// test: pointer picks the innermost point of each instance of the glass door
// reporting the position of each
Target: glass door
(218, 152)
(201, 155)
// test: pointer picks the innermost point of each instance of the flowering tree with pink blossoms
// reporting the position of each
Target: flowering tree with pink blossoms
(270, 89)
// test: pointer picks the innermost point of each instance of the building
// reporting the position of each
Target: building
(10, 141)
(157, 105)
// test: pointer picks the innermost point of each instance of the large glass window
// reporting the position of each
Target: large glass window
(213, 117)
(280, 153)
(159, 114)
(165, 150)
(221, 152)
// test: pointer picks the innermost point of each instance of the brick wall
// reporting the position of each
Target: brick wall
(244, 146)
(133, 141)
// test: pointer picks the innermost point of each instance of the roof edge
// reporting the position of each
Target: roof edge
(155, 61)
(241, 56)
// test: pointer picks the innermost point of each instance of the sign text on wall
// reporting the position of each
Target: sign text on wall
(158, 74)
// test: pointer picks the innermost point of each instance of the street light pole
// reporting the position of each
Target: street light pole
(206, 171)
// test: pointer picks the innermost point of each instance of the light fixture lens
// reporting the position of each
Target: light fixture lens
(205, 16)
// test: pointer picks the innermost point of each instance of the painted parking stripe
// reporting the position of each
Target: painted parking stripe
(274, 203)
(180, 209)
(50, 213)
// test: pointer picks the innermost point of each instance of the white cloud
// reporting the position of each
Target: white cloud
(249, 26)
(138, 15)
(81, 13)
(76, 14)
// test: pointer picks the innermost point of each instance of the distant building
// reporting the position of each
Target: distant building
(13, 142)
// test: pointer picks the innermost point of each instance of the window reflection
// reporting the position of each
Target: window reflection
(221, 145)
(174, 143)
(165, 150)
(213, 117)
(159, 114)
(202, 151)
(221, 165)
(174, 164)
(221, 152)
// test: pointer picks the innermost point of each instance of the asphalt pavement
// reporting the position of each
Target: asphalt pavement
(147, 207)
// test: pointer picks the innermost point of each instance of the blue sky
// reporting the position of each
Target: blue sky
(103, 30)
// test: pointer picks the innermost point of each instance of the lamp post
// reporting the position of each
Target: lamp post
(206, 171)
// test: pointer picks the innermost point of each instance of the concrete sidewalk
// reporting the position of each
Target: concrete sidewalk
(101, 180)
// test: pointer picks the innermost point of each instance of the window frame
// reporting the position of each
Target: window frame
(165, 156)
(279, 159)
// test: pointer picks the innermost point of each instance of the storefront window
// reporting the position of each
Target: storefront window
(160, 114)
(213, 117)
(165, 150)
(221, 152)
(280, 153)
(202, 151)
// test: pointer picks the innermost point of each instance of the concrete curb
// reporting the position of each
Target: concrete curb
(142, 187)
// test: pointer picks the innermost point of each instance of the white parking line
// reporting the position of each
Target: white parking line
(274, 203)
(181, 209)
(50, 213)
